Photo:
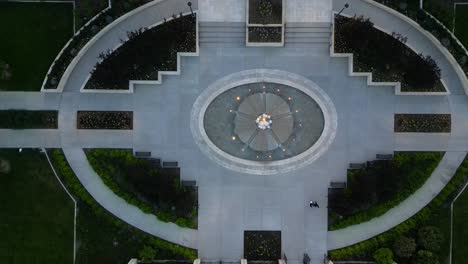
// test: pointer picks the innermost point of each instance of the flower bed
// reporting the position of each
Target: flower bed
(371, 192)
(423, 123)
(26, 119)
(413, 11)
(86, 33)
(265, 12)
(365, 249)
(265, 34)
(153, 190)
(262, 245)
(386, 56)
(105, 120)
(147, 52)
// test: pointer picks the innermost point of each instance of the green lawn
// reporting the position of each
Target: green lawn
(460, 230)
(36, 215)
(32, 34)
(461, 26)
(442, 220)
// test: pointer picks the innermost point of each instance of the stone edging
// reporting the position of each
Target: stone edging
(370, 81)
(259, 167)
(458, 70)
(65, 47)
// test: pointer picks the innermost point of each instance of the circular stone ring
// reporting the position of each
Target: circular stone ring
(229, 161)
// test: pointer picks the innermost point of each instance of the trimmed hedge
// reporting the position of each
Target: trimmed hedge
(365, 249)
(74, 185)
(417, 168)
(423, 123)
(28, 119)
(104, 164)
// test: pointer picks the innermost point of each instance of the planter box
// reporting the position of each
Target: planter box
(422, 123)
(265, 23)
(122, 120)
(262, 245)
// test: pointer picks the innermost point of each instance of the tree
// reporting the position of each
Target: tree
(383, 256)
(147, 253)
(430, 238)
(425, 257)
(404, 247)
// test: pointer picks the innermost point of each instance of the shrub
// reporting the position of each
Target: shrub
(383, 256)
(147, 254)
(425, 257)
(105, 120)
(430, 238)
(28, 119)
(423, 123)
(404, 247)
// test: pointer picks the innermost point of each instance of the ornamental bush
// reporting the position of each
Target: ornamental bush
(404, 247)
(425, 257)
(383, 256)
(430, 238)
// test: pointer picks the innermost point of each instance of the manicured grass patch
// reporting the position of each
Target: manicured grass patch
(145, 54)
(265, 12)
(105, 120)
(460, 232)
(423, 123)
(32, 35)
(26, 119)
(265, 34)
(262, 245)
(372, 191)
(461, 25)
(102, 237)
(36, 214)
(386, 56)
(365, 249)
(153, 190)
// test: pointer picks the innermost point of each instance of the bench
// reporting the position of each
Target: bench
(337, 185)
(189, 183)
(142, 154)
(384, 156)
(170, 164)
(357, 165)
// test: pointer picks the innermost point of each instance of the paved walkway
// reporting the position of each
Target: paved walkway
(118, 207)
(439, 178)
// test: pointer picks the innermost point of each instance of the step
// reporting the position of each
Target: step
(222, 40)
(307, 40)
(307, 30)
(221, 29)
(221, 24)
(308, 24)
(222, 35)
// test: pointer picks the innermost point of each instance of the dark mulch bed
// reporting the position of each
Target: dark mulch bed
(265, 34)
(425, 123)
(146, 52)
(105, 120)
(262, 245)
(386, 56)
(265, 12)
(26, 119)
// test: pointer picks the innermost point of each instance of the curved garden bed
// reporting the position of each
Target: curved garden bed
(364, 250)
(83, 35)
(153, 190)
(144, 54)
(373, 191)
(386, 56)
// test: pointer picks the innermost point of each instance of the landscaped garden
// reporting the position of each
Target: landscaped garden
(146, 52)
(460, 232)
(153, 190)
(384, 184)
(386, 56)
(27, 119)
(424, 243)
(32, 36)
(36, 216)
(105, 120)
(262, 245)
(423, 123)
(461, 24)
(103, 238)
(265, 21)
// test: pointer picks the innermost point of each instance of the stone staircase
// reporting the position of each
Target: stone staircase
(229, 33)
(307, 33)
